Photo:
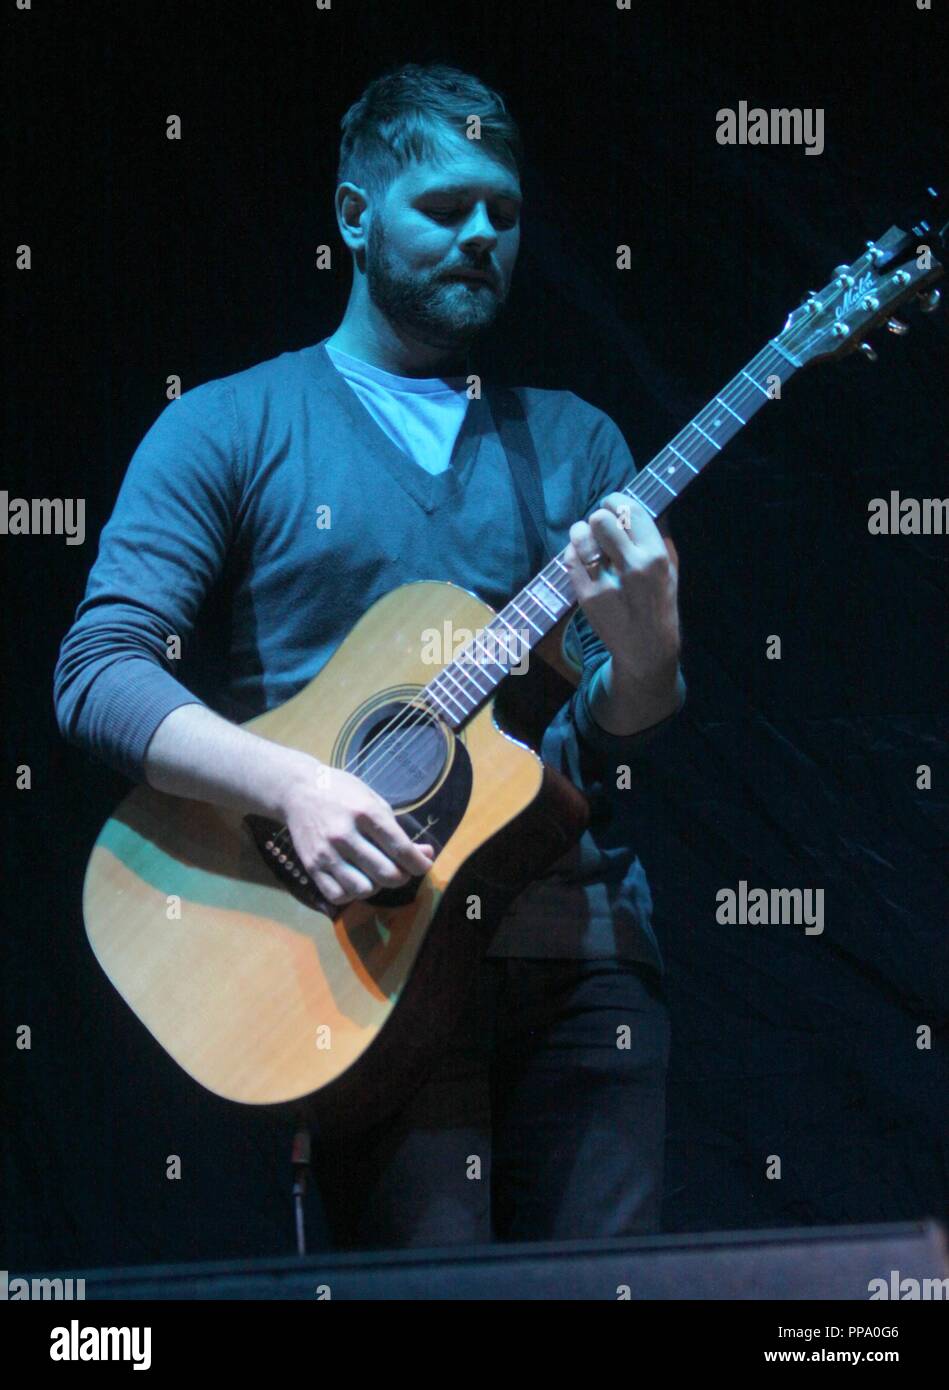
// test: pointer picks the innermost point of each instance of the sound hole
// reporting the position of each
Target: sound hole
(399, 750)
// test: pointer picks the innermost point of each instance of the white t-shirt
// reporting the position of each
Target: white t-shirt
(422, 415)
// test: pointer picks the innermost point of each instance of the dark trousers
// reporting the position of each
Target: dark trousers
(543, 1120)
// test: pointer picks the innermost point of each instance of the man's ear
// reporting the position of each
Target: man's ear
(351, 215)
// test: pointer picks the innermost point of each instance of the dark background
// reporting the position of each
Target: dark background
(196, 257)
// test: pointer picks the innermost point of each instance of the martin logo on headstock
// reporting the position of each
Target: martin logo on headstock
(853, 293)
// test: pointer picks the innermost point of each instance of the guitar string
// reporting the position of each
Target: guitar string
(413, 717)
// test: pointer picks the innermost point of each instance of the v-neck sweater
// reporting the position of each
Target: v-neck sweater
(265, 511)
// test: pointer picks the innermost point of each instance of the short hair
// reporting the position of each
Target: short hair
(395, 122)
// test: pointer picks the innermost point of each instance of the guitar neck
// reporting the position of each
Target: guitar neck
(465, 683)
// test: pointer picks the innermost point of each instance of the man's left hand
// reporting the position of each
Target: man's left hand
(625, 576)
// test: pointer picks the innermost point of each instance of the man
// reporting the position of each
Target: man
(544, 1118)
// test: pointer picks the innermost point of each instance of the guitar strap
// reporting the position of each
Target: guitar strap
(518, 445)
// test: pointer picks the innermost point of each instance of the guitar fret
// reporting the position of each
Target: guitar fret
(499, 644)
(552, 587)
(730, 411)
(504, 620)
(648, 469)
(756, 383)
(537, 599)
(669, 468)
(430, 691)
(698, 427)
(683, 458)
(457, 677)
(488, 652)
(449, 674)
(449, 693)
(526, 618)
(471, 675)
(561, 597)
(794, 361)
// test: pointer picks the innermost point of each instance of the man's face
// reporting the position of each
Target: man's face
(442, 243)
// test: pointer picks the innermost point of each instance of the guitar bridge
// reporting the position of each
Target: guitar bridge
(276, 848)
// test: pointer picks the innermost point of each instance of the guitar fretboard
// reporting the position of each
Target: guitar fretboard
(503, 644)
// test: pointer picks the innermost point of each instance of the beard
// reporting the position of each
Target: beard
(442, 313)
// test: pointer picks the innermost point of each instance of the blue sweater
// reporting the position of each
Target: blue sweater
(219, 537)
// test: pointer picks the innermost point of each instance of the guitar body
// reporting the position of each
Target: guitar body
(260, 995)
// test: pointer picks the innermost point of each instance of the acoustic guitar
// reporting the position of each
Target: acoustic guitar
(212, 932)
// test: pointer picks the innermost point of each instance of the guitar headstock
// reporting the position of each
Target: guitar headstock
(902, 265)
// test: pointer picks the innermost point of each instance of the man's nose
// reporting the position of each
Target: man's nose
(478, 232)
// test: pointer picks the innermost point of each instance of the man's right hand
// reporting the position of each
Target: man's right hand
(346, 836)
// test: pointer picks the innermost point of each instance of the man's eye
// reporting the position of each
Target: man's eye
(444, 213)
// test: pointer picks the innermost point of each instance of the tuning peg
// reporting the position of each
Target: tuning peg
(930, 301)
(868, 352)
(897, 326)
